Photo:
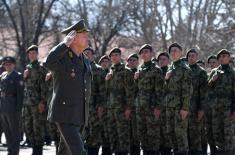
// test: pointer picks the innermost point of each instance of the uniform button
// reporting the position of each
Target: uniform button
(63, 102)
(85, 90)
(85, 81)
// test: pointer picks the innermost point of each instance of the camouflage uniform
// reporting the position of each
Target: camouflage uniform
(96, 125)
(222, 104)
(178, 94)
(120, 97)
(35, 92)
(197, 103)
(150, 96)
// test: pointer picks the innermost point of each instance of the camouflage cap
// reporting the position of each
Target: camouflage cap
(163, 54)
(102, 58)
(79, 27)
(223, 51)
(211, 57)
(174, 45)
(32, 48)
(191, 50)
(145, 46)
(115, 50)
(134, 55)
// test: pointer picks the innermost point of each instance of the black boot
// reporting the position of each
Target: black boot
(166, 151)
(134, 150)
(92, 151)
(37, 150)
(106, 151)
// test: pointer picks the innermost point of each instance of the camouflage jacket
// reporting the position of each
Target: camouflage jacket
(179, 86)
(150, 85)
(120, 87)
(98, 89)
(223, 88)
(35, 85)
(199, 81)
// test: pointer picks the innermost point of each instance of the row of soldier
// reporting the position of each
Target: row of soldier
(175, 108)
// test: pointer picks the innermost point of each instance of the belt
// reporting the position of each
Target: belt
(3, 94)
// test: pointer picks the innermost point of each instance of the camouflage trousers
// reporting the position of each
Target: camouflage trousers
(133, 130)
(53, 131)
(163, 132)
(177, 130)
(98, 134)
(34, 124)
(118, 129)
(222, 127)
(148, 129)
(195, 132)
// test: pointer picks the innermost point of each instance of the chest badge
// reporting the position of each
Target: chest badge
(73, 73)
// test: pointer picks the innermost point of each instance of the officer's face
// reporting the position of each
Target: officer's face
(115, 58)
(224, 59)
(9, 66)
(146, 55)
(33, 55)
(90, 55)
(163, 61)
(82, 40)
(105, 64)
(213, 63)
(175, 53)
(133, 62)
(192, 58)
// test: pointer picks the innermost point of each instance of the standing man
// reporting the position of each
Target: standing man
(149, 102)
(71, 88)
(133, 63)
(197, 104)
(163, 60)
(120, 99)
(212, 62)
(178, 95)
(11, 89)
(1, 71)
(222, 81)
(34, 101)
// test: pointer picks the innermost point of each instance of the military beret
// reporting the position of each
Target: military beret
(211, 57)
(163, 54)
(32, 48)
(134, 55)
(174, 45)
(8, 59)
(145, 46)
(115, 50)
(79, 27)
(192, 50)
(223, 51)
(90, 49)
(102, 58)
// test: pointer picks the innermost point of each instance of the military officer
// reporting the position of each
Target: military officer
(11, 89)
(178, 95)
(133, 63)
(105, 63)
(120, 100)
(197, 104)
(149, 102)
(34, 101)
(221, 81)
(71, 88)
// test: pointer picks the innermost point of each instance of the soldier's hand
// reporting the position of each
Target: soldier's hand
(41, 108)
(26, 73)
(100, 111)
(200, 115)
(157, 113)
(168, 75)
(69, 38)
(214, 77)
(108, 76)
(136, 76)
(127, 114)
(183, 114)
(48, 76)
